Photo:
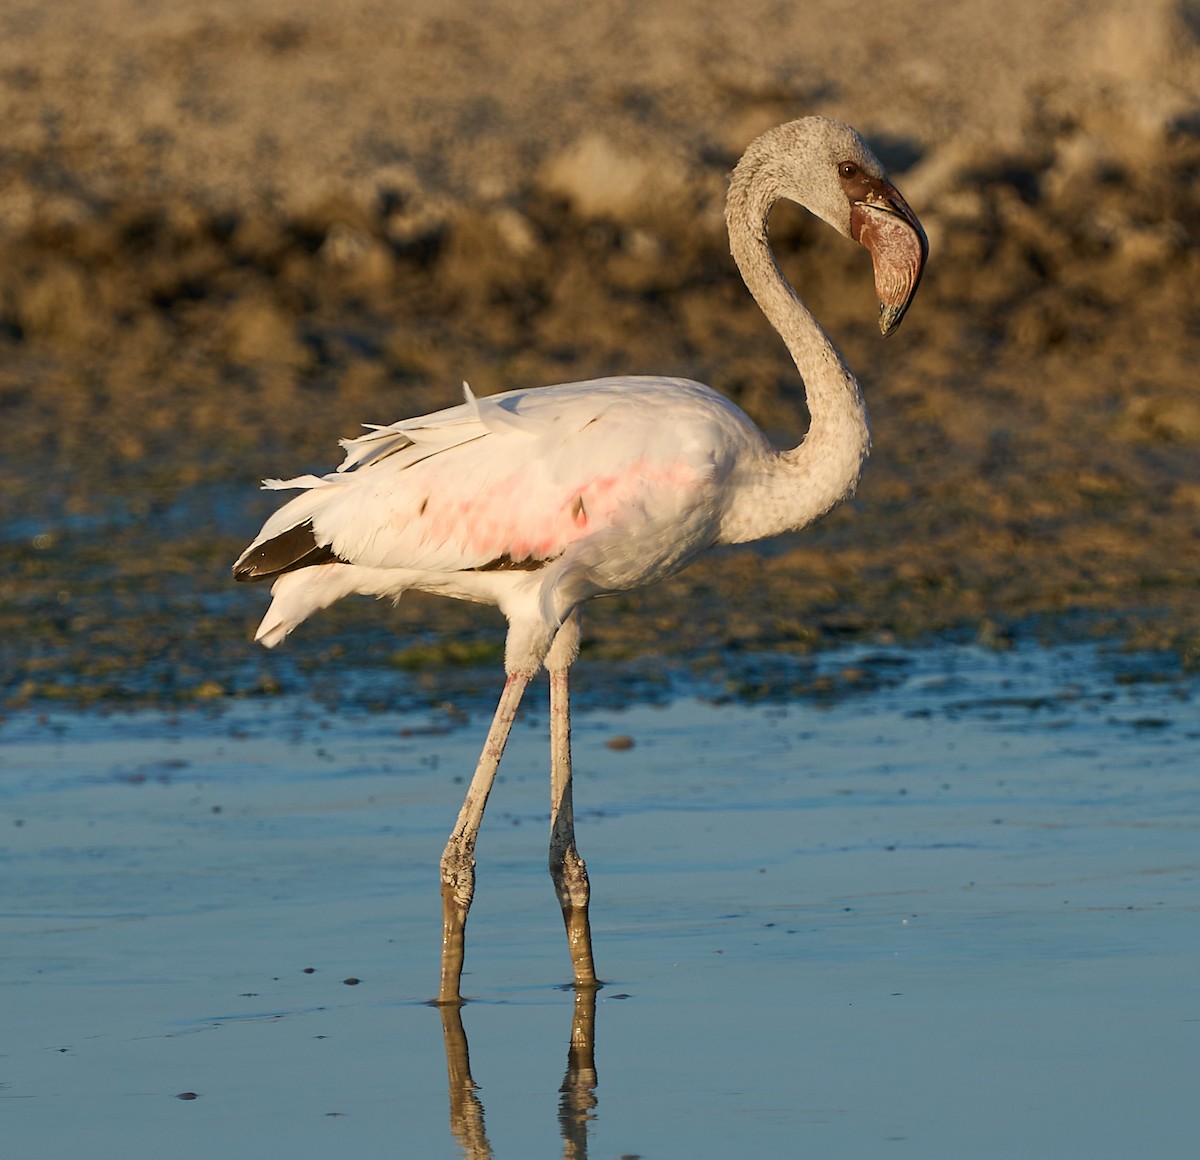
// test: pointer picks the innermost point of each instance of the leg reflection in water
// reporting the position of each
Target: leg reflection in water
(577, 1095)
(577, 1099)
(466, 1112)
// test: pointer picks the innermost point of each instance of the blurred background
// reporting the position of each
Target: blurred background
(232, 232)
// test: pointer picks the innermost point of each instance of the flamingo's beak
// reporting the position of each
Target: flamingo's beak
(882, 221)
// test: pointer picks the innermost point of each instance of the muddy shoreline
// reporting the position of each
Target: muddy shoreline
(194, 294)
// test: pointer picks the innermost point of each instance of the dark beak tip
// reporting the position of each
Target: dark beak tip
(889, 318)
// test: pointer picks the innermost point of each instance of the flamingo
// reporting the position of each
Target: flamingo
(536, 501)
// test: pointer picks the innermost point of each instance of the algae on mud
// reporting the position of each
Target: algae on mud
(210, 272)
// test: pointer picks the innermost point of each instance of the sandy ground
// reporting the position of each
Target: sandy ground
(955, 917)
(230, 233)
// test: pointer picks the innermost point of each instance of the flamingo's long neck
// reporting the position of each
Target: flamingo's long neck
(800, 485)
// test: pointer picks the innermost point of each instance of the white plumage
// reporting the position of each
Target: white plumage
(563, 492)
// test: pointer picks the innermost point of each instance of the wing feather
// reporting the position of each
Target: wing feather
(516, 479)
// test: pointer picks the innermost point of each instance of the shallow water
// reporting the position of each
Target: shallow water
(956, 916)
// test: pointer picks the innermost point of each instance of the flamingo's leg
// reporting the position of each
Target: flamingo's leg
(567, 868)
(458, 859)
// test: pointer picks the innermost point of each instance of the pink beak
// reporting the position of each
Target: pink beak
(881, 220)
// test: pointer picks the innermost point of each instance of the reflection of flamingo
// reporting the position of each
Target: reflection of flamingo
(466, 1111)
(576, 1095)
(536, 501)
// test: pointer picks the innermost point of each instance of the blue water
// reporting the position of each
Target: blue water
(956, 916)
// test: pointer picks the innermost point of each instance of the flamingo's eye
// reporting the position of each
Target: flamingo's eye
(848, 170)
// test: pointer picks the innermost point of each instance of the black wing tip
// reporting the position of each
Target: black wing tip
(290, 550)
(243, 572)
(506, 563)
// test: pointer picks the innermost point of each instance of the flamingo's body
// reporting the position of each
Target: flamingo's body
(538, 500)
(535, 501)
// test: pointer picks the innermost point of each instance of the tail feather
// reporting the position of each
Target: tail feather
(298, 594)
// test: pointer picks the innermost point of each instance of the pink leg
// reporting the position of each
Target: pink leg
(458, 859)
(567, 868)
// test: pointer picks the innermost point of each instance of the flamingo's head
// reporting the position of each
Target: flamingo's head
(830, 170)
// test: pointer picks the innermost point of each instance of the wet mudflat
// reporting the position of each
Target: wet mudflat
(954, 916)
(233, 233)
